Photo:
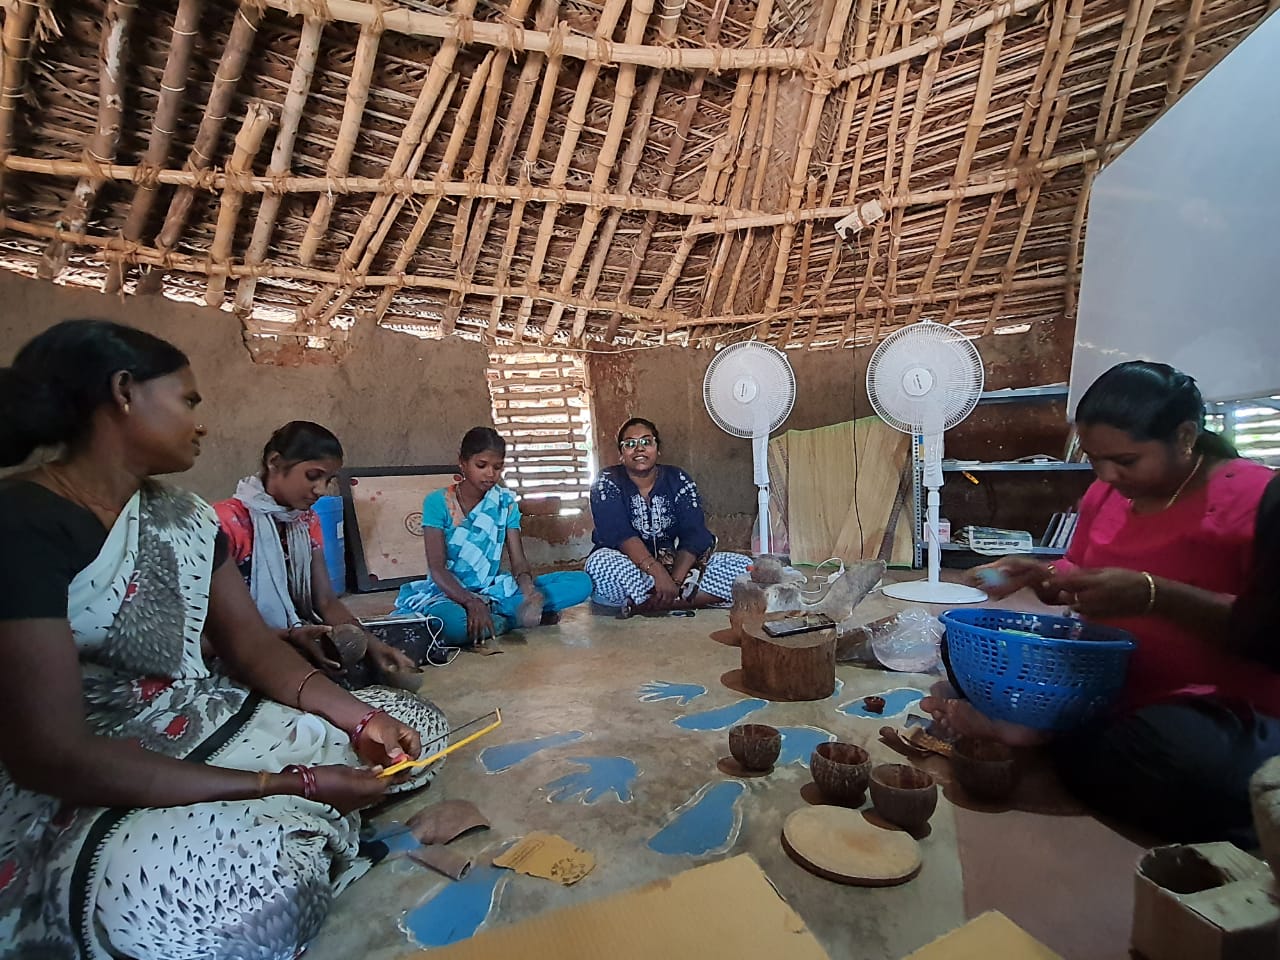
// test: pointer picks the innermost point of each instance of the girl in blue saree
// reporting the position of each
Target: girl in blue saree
(468, 528)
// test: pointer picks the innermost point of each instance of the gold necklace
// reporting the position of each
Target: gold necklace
(1177, 493)
(77, 494)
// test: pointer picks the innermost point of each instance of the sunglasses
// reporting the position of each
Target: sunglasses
(634, 442)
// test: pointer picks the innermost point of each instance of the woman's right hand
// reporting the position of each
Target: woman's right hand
(347, 789)
(479, 620)
(665, 590)
(1011, 575)
(308, 639)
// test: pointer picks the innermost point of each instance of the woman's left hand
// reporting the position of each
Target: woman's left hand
(388, 659)
(1106, 593)
(385, 740)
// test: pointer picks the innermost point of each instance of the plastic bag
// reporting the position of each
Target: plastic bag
(909, 643)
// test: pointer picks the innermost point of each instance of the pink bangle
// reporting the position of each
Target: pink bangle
(362, 725)
(308, 778)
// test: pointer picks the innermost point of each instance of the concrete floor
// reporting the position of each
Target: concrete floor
(586, 675)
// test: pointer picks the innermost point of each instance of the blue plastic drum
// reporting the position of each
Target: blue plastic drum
(329, 512)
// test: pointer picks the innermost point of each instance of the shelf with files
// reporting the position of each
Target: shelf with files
(1029, 552)
(1012, 466)
(1040, 394)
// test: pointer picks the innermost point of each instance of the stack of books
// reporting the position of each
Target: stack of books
(1058, 534)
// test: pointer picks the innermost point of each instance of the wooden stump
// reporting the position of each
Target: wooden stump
(802, 667)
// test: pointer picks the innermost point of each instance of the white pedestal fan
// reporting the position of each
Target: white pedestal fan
(924, 379)
(749, 390)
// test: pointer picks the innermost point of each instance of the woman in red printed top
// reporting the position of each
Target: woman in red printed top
(1165, 548)
(276, 544)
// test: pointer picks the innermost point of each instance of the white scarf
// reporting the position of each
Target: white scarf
(281, 591)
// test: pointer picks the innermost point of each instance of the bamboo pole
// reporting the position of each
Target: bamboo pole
(348, 132)
(215, 181)
(423, 108)
(1190, 33)
(478, 162)
(248, 140)
(476, 87)
(281, 154)
(890, 24)
(740, 178)
(597, 48)
(17, 40)
(1117, 68)
(757, 185)
(1075, 251)
(576, 119)
(541, 117)
(112, 53)
(992, 45)
(668, 23)
(112, 248)
(886, 183)
(1030, 105)
(500, 164)
(802, 274)
(923, 92)
(173, 86)
(393, 212)
(1132, 60)
(719, 157)
(1034, 285)
(624, 91)
(1059, 109)
(230, 67)
(817, 99)
(675, 150)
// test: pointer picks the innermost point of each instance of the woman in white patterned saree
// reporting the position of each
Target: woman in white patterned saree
(150, 806)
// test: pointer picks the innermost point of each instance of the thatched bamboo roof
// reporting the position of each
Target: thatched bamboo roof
(581, 173)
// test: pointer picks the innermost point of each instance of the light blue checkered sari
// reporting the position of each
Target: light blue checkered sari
(473, 552)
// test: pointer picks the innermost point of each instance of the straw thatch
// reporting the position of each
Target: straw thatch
(577, 174)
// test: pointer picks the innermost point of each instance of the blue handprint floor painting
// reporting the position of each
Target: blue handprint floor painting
(656, 691)
(507, 755)
(601, 777)
(613, 741)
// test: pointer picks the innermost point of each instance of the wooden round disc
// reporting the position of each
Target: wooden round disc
(840, 845)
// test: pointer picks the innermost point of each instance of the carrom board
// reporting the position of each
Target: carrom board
(382, 508)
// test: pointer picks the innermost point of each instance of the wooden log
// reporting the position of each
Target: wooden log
(173, 87)
(19, 25)
(112, 54)
(248, 140)
(801, 667)
(281, 155)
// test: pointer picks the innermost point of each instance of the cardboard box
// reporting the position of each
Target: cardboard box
(991, 936)
(1207, 901)
(723, 911)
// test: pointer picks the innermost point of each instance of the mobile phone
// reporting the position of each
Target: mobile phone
(790, 626)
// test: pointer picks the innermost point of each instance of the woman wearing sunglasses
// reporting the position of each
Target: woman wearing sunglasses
(652, 550)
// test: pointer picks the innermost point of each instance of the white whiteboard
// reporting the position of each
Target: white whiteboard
(1182, 252)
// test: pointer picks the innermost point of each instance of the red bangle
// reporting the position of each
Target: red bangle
(308, 778)
(362, 725)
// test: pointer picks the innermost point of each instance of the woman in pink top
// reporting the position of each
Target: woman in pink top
(1164, 546)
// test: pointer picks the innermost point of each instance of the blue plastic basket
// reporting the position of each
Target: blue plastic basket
(1065, 675)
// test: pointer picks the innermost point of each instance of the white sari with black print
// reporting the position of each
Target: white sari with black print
(250, 878)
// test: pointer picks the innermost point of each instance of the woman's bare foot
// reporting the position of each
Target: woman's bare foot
(960, 718)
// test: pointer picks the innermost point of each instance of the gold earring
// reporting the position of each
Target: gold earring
(126, 406)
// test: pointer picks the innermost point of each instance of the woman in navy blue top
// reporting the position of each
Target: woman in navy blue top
(653, 550)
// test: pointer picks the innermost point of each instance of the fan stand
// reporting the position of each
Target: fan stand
(933, 590)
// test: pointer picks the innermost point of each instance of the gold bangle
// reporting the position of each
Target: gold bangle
(1151, 596)
(297, 700)
(263, 778)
